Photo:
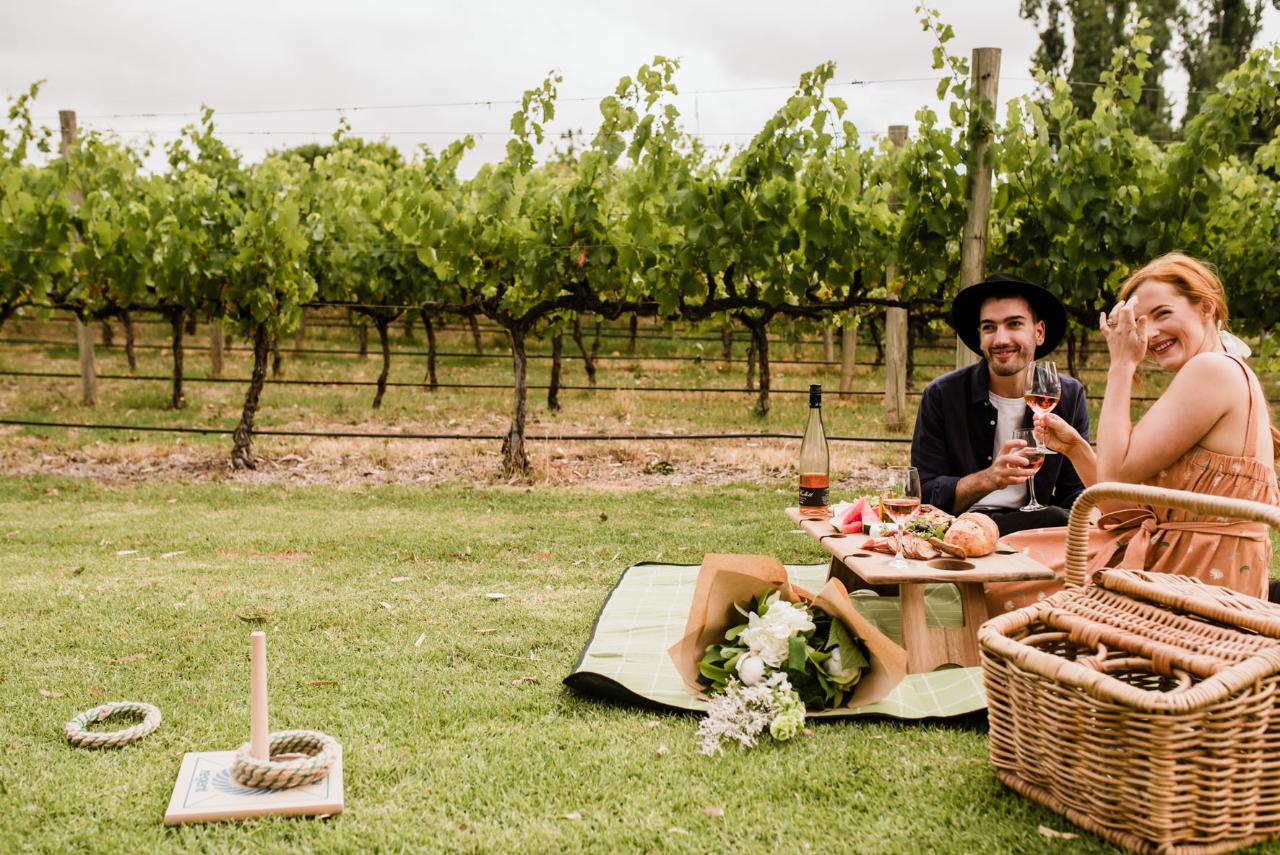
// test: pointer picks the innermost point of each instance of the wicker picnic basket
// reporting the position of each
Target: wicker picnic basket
(1142, 707)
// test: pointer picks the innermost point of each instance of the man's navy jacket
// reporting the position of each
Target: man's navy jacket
(956, 432)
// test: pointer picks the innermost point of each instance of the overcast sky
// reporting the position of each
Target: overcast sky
(428, 72)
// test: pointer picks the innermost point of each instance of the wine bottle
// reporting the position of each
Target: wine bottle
(815, 462)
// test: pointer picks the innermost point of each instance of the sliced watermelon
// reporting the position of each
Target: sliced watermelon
(850, 522)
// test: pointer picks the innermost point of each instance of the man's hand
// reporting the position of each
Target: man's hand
(1010, 467)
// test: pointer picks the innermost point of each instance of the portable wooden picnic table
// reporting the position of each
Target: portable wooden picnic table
(928, 647)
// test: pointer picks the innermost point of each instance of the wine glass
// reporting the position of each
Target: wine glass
(900, 499)
(1034, 453)
(1041, 391)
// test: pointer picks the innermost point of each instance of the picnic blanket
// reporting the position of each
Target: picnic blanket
(626, 659)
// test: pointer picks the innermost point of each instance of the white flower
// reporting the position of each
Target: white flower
(769, 637)
(750, 669)
(839, 673)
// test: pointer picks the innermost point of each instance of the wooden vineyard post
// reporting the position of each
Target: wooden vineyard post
(895, 332)
(217, 340)
(828, 343)
(84, 337)
(88, 373)
(973, 247)
(848, 351)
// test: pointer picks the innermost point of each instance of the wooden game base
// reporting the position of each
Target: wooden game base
(206, 792)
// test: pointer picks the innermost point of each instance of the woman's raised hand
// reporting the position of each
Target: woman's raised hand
(1126, 335)
(1055, 432)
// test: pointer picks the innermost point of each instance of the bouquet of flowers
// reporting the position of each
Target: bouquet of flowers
(794, 656)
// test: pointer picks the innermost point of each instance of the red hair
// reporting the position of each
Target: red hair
(1193, 279)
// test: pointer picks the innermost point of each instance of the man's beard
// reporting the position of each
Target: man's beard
(1012, 367)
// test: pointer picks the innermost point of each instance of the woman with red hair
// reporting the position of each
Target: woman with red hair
(1209, 432)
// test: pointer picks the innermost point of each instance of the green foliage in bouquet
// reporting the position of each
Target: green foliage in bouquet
(822, 660)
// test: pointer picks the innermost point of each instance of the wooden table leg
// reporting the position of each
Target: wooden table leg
(929, 647)
(916, 637)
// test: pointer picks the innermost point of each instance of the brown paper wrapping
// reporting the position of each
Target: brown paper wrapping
(726, 580)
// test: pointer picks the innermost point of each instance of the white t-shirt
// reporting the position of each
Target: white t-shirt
(1010, 412)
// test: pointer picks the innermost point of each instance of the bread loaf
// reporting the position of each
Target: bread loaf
(973, 533)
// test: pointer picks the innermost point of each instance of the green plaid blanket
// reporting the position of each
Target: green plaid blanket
(626, 657)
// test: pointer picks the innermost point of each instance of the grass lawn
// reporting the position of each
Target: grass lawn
(464, 742)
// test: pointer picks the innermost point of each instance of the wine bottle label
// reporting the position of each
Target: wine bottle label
(813, 497)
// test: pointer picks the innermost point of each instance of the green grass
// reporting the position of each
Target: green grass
(468, 742)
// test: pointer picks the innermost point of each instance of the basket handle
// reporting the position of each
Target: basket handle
(1196, 503)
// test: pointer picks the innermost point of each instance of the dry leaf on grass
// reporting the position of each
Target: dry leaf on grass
(524, 681)
(497, 596)
(572, 816)
(421, 638)
(713, 811)
(662, 751)
(384, 604)
(125, 660)
(126, 552)
(173, 554)
(95, 691)
(1046, 831)
(675, 829)
(485, 631)
(51, 693)
(401, 578)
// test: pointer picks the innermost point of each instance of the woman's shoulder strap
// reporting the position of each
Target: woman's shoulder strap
(1255, 408)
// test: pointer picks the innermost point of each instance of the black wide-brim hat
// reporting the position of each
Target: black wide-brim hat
(968, 303)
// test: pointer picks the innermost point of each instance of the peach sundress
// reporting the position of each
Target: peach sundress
(1215, 550)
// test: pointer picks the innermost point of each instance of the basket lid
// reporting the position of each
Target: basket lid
(1190, 595)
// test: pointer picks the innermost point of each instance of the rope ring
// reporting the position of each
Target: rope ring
(79, 737)
(320, 752)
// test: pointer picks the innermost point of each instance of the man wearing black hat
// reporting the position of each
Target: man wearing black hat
(963, 445)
